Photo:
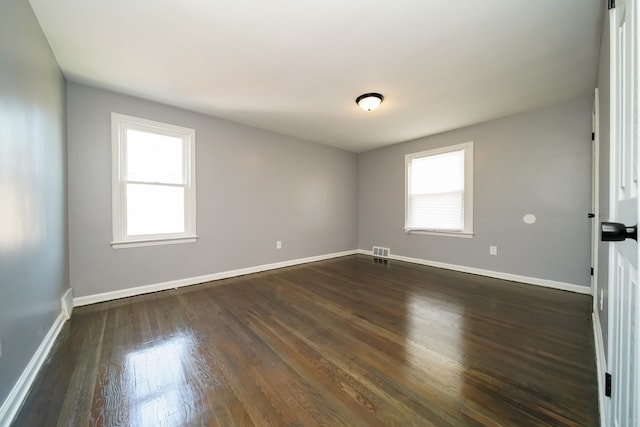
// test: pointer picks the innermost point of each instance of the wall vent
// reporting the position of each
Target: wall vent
(379, 252)
(67, 303)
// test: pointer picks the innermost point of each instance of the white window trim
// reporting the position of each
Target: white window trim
(467, 232)
(120, 123)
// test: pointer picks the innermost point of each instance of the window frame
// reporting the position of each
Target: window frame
(120, 123)
(467, 231)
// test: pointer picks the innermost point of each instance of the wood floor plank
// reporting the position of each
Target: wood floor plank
(343, 342)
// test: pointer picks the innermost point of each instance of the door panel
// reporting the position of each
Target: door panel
(623, 292)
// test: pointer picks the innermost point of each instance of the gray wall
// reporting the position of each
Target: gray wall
(253, 187)
(603, 248)
(537, 162)
(33, 232)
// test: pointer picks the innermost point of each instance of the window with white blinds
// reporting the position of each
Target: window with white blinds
(439, 191)
(153, 182)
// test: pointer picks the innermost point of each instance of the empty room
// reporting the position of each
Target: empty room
(336, 213)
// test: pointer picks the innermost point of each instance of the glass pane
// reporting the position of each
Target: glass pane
(436, 192)
(154, 209)
(440, 173)
(152, 157)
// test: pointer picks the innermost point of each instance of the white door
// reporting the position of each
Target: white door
(624, 296)
(595, 196)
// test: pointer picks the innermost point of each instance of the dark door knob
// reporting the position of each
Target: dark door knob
(591, 215)
(616, 232)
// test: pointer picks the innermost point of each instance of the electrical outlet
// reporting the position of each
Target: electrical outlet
(278, 244)
(493, 250)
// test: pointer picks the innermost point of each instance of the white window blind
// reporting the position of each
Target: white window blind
(437, 190)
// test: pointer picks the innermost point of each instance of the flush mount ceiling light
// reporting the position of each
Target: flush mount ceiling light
(369, 101)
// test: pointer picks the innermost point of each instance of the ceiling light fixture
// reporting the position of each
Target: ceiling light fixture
(369, 101)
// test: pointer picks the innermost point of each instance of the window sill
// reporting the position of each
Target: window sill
(122, 244)
(465, 235)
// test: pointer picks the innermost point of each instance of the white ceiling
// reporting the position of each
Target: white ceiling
(296, 66)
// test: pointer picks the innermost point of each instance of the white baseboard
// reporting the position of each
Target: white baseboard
(174, 284)
(19, 392)
(601, 366)
(495, 274)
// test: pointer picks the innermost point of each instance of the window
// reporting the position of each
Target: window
(154, 198)
(439, 191)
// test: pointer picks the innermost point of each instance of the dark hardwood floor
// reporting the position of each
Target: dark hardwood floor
(343, 342)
